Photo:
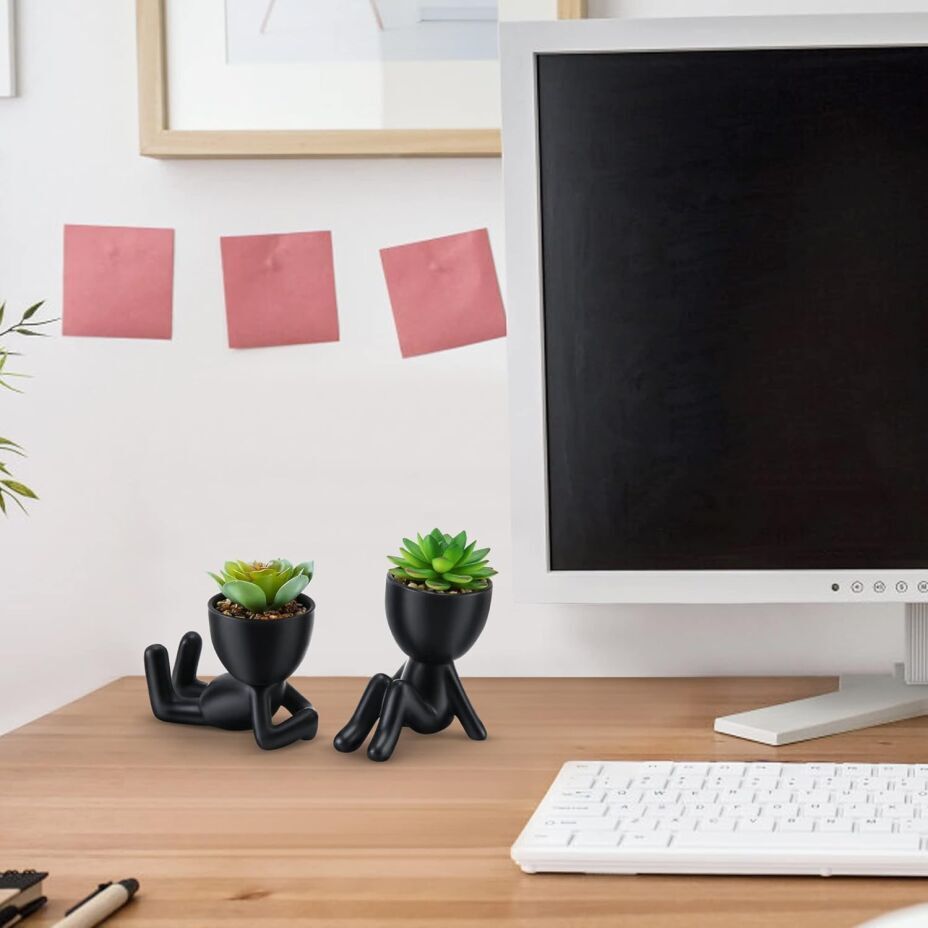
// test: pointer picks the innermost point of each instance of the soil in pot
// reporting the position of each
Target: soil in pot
(227, 607)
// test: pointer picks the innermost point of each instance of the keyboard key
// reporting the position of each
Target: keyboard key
(548, 838)
(583, 767)
(780, 809)
(875, 826)
(756, 824)
(595, 839)
(795, 824)
(717, 824)
(836, 825)
(578, 823)
(580, 795)
(793, 841)
(644, 839)
(578, 782)
(591, 809)
(691, 770)
(681, 823)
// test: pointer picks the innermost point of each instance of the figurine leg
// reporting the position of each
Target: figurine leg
(302, 725)
(402, 706)
(166, 704)
(470, 721)
(185, 666)
(294, 701)
(352, 736)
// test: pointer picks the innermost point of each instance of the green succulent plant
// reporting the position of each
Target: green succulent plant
(259, 586)
(443, 563)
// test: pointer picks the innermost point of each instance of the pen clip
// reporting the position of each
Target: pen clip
(96, 892)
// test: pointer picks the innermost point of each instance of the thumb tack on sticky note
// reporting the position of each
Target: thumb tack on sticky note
(118, 281)
(444, 292)
(280, 289)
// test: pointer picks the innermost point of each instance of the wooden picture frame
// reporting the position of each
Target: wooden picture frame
(158, 140)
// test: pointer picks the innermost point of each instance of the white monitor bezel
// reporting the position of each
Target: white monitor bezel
(520, 43)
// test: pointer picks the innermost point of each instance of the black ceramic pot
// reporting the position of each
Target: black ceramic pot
(435, 628)
(260, 656)
(261, 652)
(426, 693)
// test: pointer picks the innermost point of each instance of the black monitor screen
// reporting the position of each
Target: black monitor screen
(735, 285)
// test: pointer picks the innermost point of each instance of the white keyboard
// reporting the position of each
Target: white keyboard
(750, 818)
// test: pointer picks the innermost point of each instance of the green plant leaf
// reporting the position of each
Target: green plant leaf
(283, 564)
(482, 572)
(417, 574)
(479, 585)
(269, 581)
(2, 504)
(246, 594)
(402, 561)
(291, 589)
(475, 556)
(2, 310)
(460, 539)
(437, 585)
(19, 331)
(414, 549)
(438, 536)
(19, 488)
(429, 547)
(454, 552)
(306, 568)
(457, 579)
(32, 310)
(441, 564)
(411, 558)
(470, 568)
(400, 574)
(217, 578)
(15, 499)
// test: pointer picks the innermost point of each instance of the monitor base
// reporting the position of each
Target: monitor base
(861, 700)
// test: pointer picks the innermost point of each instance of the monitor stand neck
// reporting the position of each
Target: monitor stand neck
(861, 700)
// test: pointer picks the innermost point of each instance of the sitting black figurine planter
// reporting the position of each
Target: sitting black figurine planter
(433, 628)
(260, 654)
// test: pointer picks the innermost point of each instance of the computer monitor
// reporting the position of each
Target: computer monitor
(717, 260)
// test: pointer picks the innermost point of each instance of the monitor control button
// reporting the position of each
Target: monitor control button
(901, 586)
(923, 586)
(857, 587)
(879, 587)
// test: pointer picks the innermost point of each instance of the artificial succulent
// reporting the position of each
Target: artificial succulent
(259, 587)
(443, 563)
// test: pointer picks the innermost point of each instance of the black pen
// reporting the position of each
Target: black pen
(13, 914)
(106, 899)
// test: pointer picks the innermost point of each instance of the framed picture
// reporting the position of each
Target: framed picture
(7, 45)
(324, 78)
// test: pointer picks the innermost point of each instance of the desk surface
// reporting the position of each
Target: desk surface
(222, 834)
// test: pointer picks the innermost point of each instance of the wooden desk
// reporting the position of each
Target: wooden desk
(222, 834)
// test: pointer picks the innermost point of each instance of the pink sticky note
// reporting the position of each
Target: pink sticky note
(118, 281)
(444, 292)
(280, 289)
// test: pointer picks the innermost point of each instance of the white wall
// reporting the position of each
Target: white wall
(157, 461)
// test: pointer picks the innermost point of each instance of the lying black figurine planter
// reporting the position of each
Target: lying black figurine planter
(433, 626)
(259, 653)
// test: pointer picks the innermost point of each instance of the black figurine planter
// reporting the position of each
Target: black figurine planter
(426, 693)
(260, 656)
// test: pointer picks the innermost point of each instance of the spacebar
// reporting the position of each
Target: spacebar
(794, 841)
